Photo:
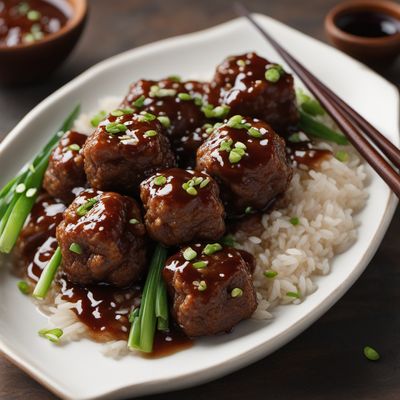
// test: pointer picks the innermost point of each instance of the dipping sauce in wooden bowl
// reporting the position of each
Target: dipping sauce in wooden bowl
(366, 29)
(36, 36)
(24, 22)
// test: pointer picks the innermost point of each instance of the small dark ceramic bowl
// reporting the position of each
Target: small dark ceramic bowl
(372, 50)
(29, 62)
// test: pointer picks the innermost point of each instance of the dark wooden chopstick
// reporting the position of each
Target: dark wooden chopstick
(345, 117)
(387, 147)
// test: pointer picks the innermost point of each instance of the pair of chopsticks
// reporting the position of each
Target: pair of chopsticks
(358, 130)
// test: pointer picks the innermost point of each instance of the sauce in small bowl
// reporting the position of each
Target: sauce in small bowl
(368, 24)
(366, 29)
(36, 36)
(25, 22)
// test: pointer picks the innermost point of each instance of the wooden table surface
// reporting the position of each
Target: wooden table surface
(326, 361)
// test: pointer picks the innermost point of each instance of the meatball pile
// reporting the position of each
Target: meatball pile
(170, 165)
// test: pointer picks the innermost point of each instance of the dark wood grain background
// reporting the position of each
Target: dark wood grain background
(326, 361)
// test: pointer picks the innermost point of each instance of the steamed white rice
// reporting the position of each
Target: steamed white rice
(325, 202)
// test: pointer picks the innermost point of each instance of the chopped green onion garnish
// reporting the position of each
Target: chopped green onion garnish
(217, 112)
(115, 127)
(189, 254)
(235, 155)
(294, 221)
(139, 102)
(371, 353)
(293, 294)
(96, 119)
(74, 147)
(33, 15)
(248, 210)
(226, 145)
(165, 121)
(241, 63)
(23, 287)
(86, 207)
(202, 286)
(204, 183)
(185, 96)
(150, 133)
(235, 121)
(237, 292)
(270, 274)
(272, 75)
(76, 248)
(200, 264)
(160, 180)
(212, 248)
(53, 335)
(23, 8)
(342, 156)
(134, 221)
(117, 113)
(254, 133)
(146, 117)
(191, 190)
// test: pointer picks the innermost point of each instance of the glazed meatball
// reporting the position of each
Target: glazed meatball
(182, 206)
(179, 101)
(65, 174)
(245, 89)
(248, 159)
(102, 239)
(125, 149)
(210, 287)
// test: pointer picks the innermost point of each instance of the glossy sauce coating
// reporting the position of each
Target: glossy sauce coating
(111, 240)
(261, 173)
(244, 88)
(210, 293)
(162, 98)
(37, 241)
(221, 266)
(29, 21)
(173, 215)
(120, 161)
(65, 176)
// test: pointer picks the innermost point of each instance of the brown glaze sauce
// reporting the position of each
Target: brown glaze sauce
(305, 155)
(220, 267)
(103, 309)
(184, 115)
(29, 21)
(173, 192)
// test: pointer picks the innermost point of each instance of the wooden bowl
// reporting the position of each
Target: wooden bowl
(29, 62)
(372, 50)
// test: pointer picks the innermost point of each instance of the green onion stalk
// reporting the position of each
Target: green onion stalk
(47, 276)
(317, 129)
(18, 196)
(153, 311)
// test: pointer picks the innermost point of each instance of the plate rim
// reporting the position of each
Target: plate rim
(255, 353)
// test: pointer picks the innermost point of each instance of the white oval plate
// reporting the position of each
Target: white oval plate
(78, 370)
